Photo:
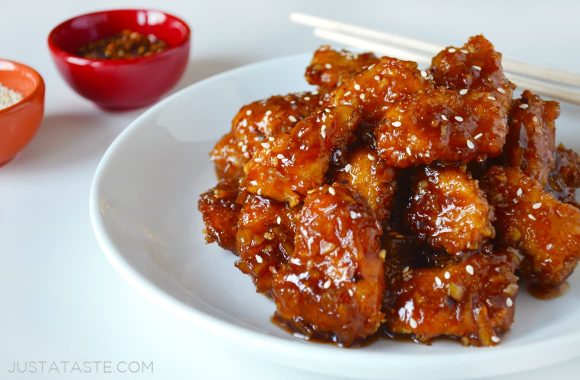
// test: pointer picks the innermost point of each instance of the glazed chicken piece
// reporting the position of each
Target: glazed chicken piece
(546, 231)
(448, 209)
(470, 298)
(255, 124)
(220, 215)
(286, 168)
(333, 283)
(530, 143)
(265, 239)
(463, 119)
(565, 178)
(371, 178)
(330, 68)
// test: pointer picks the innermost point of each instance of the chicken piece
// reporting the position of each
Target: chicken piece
(254, 124)
(333, 284)
(470, 298)
(371, 178)
(265, 239)
(530, 143)
(329, 67)
(565, 178)
(448, 209)
(286, 168)
(220, 215)
(378, 87)
(462, 120)
(528, 218)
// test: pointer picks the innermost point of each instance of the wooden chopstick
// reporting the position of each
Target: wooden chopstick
(519, 68)
(546, 89)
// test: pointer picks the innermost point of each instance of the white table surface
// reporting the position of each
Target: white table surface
(61, 300)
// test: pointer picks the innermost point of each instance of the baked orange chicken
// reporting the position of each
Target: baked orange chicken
(398, 202)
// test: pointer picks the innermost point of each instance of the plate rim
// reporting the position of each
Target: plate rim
(299, 349)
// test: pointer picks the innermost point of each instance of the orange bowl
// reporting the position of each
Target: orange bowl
(19, 122)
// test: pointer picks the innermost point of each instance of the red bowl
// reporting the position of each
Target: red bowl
(121, 83)
(20, 121)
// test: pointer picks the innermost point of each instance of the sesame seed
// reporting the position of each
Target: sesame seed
(408, 150)
(307, 98)
(495, 339)
(413, 323)
(248, 112)
(254, 183)
(396, 123)
(280, 156)
(357, 86)
(523, 106)
(268, 113)
(478, 136)
(347, 168)
(371, 157)
(271, 138)
(377, 77)
(478, 68)
(469, 269)
(531, 217)
(423, 73)
(491, 97)
(447, 275)
(438, 282)
(331, 190)
(463, 92)
(279, 220)
(259, 259)
(535, 119)
(326, 284)
(383, 253)
(265, 145)
(500, 90)
(292, 118)
(470, 144)
(362, 96)
(259, 191)
(536, 206)
(509, 302)
(451, 50)
(519, 192)
(464, 51)
(350, 292)
(327, 110)
(328, 66)
(347, 93)
(549, 246)
(443, 117)
(353, 215)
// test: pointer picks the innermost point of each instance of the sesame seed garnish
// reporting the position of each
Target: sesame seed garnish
(307, 98)
(396, 123)
(519, 192)
(328, 66)
(383, 254)
(523, 106)
(495, 339)
(423, 73)
(469, 269)
(331, 190)
(438, 282)
(536, 206)
(447, 275)
(478, 136)
(268, 113)
(347, 93)
(459, 118)
(350, 292)
(478, 68)
(259, 191)
(259, 259)
(377, 77)
(353, 215)
(347, 168)
(451, 50)
(535, 119)
(500, 90)
(531, 217)
(323, 131)
(326, 284)
(271, 138)
(491, 97)
(265, 145)
(549, 246)
(443, 117)
(470, 144)
(248, 112)
(254, 183)
(509, 302)
(362, 96)
(371, 157)
(280, 156)
(463, 92)
(279, 220)
(292, 118)
(413, 323)
(408, 150)
(357, 86)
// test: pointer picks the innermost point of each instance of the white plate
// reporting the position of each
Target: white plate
(144, 213)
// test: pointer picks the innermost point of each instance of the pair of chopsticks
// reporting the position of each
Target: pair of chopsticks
(552, 83)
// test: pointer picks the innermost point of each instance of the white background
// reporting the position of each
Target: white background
(60, 299)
